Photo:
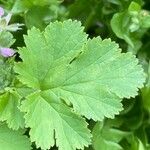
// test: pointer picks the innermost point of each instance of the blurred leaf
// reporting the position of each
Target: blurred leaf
(146, 92)
(6, 74)
(37, 16)
(43, 15)
(6, 39)
(145, 21)
(20, 6)
(86, 11)
(131, 25)
(146, 98)
(45, 2)
(137, 145)
(106, 137)
(134, 7)
(134, 118)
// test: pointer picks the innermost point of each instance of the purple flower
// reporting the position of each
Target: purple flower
(7, 52)
(1, 11)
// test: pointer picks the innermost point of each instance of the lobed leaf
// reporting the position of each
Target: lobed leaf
(61, 65)
(70, 130)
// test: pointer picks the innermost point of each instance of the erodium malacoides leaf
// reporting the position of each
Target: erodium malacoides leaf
(73, 77)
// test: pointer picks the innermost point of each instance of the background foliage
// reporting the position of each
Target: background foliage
(126, 22)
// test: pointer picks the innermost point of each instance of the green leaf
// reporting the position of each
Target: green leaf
(106, 138)
(91, 75)
(6, 39)
(146, 98)
(13, 140)
(45, 2)
(20, 6)
(131, 25)
(86, 11)
(70, 129)
(148, 147)
(145, 21)
(146, 91)
(39, 14)
(120, 24)
(6, 73)
(134, 7)
(60, 42)
(137, 145)
(9, 111)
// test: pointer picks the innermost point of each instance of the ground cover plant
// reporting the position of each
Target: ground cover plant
(74, 74)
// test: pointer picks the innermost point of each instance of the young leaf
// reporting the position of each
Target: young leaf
(13, 140)
(92, 75)
(9, 111)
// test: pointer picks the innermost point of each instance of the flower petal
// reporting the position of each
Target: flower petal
(1, 11)
(7, 52)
